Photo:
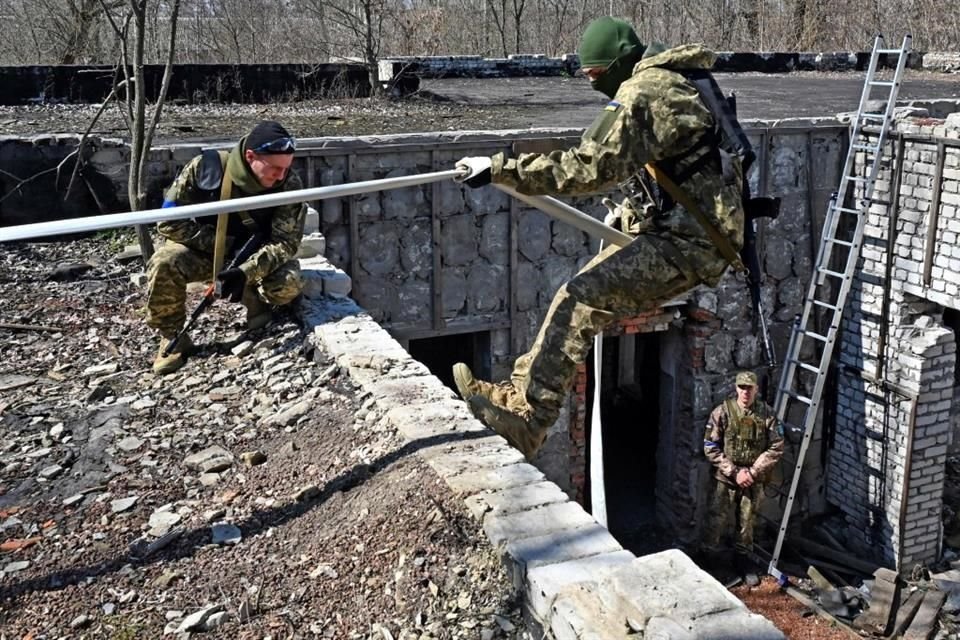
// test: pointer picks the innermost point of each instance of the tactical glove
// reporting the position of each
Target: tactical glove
(476, 171)
(231, 283)
(614, 212)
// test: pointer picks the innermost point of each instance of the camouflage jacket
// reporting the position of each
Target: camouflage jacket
(735, 438)
(656, 116)
(282, 226)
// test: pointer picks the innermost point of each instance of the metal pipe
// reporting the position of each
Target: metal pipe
(574, 217)
(113, 220)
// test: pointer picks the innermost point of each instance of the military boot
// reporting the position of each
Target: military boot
(515, 428)
(164, 365)
(467, 385)
(502, 408)
(259, 313)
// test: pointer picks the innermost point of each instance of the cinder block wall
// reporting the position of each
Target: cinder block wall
(896, 374)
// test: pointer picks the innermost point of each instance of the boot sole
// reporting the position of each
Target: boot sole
(506, 425)
(463, 378)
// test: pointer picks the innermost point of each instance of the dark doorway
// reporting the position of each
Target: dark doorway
(630, 411)
(439, 354)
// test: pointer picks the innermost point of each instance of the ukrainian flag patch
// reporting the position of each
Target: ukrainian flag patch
(613, 105)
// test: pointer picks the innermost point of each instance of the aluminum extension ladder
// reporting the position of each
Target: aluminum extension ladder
(828, 286)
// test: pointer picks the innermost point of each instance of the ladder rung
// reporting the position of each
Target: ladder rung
(879, 117)
(866, 147)
(814, 335)
(857, 178)
(890, 51)
(799, 398)
(842, 243)
(855, 212)
(807, 367)
(825, 305)
(830, 272)
(881, 83)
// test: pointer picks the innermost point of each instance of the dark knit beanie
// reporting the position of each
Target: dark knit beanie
(269, 137)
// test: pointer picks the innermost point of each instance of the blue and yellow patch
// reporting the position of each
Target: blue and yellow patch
(613, 105)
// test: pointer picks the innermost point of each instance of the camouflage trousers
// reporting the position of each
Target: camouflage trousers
(618, 283)
(174, 265)
(731, 516)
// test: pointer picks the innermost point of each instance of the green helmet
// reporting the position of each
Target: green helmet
(613, 45)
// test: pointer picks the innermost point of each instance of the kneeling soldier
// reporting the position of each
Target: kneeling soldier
(259, 164)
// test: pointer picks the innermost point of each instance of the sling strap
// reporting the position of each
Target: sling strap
(720, 241)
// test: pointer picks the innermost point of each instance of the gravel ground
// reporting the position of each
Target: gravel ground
(246, 496)
(792, 618)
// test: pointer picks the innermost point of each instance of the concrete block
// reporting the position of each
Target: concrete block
(312, 245)
(544, 584)
(311, 224)
(471, 455)
(514, 499)
(515, 475)
(540, 521)
(560, 546)
(337, 284)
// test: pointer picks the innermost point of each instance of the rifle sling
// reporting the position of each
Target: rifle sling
(681, 197)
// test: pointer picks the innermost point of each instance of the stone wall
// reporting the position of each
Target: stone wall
(895, 383)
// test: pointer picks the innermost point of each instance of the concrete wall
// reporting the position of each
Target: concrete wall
(895, 410)
(195, 83)
(567, 64)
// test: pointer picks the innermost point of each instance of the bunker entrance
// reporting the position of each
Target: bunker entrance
(630, 413)
(440, 353)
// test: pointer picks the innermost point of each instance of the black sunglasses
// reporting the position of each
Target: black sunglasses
(280, 145)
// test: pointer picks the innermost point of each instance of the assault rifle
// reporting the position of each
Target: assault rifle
(756, 208)
(213, 291)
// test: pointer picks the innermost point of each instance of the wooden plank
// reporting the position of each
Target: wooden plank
(846, 559)
(819, 579)
(908, 609)
(803, 599)
(883, 603)
(925, 621)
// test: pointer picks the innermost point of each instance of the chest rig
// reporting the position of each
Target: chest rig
(746, 435)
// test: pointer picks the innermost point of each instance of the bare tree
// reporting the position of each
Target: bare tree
(131, 30)
(355, 26)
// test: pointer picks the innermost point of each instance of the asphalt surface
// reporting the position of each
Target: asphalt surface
(553, 102)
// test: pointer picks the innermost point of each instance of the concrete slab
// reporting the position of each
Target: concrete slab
(514, 499)
(536, 522)
(515, 475)
(470, 455)
(545, 584)
(561, 546)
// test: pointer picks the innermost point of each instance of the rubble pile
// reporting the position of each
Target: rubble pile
(255, 493)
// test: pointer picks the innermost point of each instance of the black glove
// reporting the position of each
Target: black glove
(231, 283)
(482, 179)
(478, 170)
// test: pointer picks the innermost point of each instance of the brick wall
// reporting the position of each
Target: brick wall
(895, 382)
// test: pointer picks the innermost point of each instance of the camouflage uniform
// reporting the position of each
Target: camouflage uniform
(738, 439)
(273, 275)
(656, 116)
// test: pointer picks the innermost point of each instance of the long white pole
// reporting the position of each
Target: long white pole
(551, 206)
(148, 216)
(572, 216)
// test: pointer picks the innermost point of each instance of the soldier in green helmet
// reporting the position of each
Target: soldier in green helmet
(743, 442)
(657, 125)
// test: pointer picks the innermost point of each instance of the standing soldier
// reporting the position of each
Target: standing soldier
(661, 143)
(743, 441)
(259, 164)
